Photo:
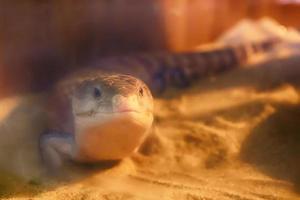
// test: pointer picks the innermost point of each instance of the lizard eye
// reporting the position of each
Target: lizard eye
(97, 93)
(141, 92)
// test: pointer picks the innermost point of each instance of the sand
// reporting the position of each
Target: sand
(233, 136)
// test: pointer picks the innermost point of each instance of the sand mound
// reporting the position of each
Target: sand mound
(234, 136)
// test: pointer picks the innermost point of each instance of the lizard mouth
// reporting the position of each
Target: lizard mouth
(93, 113)
(136, 116)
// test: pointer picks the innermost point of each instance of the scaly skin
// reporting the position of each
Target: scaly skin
(164, 70)
(105, 115)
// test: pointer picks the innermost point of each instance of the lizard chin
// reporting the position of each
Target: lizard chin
(111, 136)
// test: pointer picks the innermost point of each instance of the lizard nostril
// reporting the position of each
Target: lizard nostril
(141, 92)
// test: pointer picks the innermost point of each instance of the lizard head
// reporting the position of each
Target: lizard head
(111, 94)
(112, 112)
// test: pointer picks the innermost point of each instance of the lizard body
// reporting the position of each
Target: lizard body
(105, 113)
(161, 71)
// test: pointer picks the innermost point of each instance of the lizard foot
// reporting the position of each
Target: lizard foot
(55, 148)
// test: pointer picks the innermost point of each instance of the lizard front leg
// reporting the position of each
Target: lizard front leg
(55, 148)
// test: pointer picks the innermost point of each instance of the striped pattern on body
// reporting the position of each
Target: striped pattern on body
(163, 70)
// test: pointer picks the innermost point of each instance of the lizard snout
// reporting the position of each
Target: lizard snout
(125, 104)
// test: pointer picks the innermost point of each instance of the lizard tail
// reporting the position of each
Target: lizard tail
(182, 69)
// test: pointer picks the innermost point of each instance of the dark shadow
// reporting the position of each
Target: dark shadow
(273, 147)
(46, 40)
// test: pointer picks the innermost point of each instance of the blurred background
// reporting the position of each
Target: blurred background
(42, 40)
